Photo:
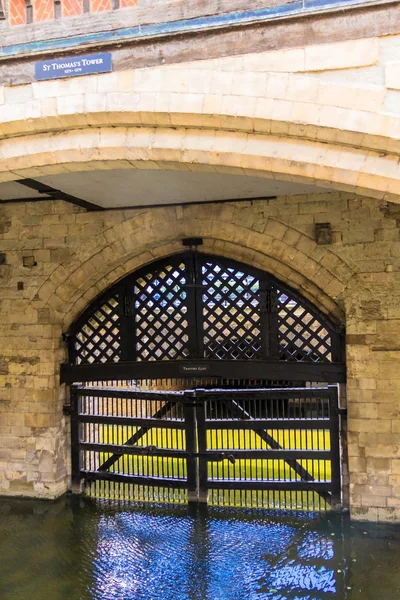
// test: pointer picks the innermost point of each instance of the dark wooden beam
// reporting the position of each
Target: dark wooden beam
(268, 370)
(287, 486)
(134, 479)
(54, 194)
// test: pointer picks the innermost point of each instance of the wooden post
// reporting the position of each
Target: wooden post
(75, 441)
(336, 502)
(191, 446)
(202, 445)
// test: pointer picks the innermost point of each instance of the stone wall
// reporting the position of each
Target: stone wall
(306, 111)
(326, 114)
(78, 254)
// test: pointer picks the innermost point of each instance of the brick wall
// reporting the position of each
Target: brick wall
(22, 12)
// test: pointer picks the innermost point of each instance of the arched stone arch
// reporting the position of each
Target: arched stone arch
(316, 272)
(182, 95)
(334, 166)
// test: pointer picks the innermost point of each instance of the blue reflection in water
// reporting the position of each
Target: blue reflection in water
(145, 556)
(142, 556)
(315, 545)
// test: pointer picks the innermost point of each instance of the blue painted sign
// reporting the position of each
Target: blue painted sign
(73, 66)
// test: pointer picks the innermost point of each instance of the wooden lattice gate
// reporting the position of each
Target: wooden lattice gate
(263, 447)
(232, 332)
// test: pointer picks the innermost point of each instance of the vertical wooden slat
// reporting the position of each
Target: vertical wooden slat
(75, 439)
(190, 276)
(199, 309)
(191, 446)
(335, 447)
(202, 446)
(272, 311)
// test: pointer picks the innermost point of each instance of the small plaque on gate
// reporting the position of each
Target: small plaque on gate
(193, 369)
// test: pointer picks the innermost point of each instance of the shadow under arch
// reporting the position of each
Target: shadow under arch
(331, 165)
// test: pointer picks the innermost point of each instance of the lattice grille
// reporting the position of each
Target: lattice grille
(98, 340)
(301, 336)
(161, 314)
(231, 312)
(203, 307)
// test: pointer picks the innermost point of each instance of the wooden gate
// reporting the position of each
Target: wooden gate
(172, 334)
(277, 448)
(194, 314)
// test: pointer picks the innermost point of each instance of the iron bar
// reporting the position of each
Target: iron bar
(202, 445)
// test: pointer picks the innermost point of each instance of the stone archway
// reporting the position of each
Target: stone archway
(190, 320)
(296, 126)
(125, 242)
(318, 273)
(336, 165)
(306, 141)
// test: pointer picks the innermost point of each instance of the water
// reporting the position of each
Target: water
(80, 550)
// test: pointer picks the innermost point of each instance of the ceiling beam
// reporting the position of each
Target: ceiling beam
(54, 194)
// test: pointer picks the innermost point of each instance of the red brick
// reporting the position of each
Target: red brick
(127, 3)
(100, 5)
(17, 12)
(43, 10)
(71, 8)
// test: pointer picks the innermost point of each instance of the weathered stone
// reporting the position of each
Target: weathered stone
(246, 115)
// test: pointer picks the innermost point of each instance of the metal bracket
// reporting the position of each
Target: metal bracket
(211, 456)
(323, 234)
(67, 410)
(192, 242)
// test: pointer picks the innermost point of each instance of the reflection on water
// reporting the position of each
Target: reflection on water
(79, 550)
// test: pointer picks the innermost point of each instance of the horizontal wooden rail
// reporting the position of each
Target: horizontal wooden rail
(272, 370)
(129, 393)
(132, 421)
(283, 485)
(210, 455)
(134, 479)
(269, 424)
